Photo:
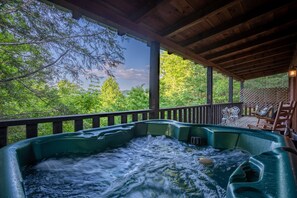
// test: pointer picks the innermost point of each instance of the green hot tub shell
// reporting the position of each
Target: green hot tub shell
(270, 172)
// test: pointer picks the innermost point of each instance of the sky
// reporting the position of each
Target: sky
(135, 68)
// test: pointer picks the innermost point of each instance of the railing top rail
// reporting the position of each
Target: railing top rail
(183, 107)
(15, 122)
(233, 103)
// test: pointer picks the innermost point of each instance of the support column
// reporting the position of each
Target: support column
(209, 99)
(154, 84)
(230, 90)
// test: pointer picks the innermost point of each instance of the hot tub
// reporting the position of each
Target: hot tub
(269, 172)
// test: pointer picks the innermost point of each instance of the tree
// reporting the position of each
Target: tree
(111, 98)
(58, 45)
(40, 45)
(137, 98)
(278, 80)
(182, 82)
(220, 88)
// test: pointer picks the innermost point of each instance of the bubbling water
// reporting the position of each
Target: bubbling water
(145, 167)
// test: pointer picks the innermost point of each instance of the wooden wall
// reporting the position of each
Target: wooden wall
(293, 89)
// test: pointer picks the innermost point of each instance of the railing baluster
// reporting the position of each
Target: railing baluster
(144, 116)
(78, 124)
(203, 114)
(31, 130)
(3, 136)
(169, 114)
(194, 115)
(57, 127)
(123, 118)
(134, 117)
(214, 114)
(174, 114)
(162, 114)
(110, 120)
(190, 120)
(198, 115)
(185, 115)
(180, 115)
(96, 122)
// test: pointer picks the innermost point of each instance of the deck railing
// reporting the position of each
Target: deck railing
(193, 114)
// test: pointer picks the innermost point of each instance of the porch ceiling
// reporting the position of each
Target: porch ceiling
(242, 39)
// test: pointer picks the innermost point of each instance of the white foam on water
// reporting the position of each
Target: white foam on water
(145, 167)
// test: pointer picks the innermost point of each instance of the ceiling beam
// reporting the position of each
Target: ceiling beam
(267, 8)
(258, 58)
(255, 43)
(197, 16)
(146, 9)
(100, 12)
(283, 45)
(266, 28)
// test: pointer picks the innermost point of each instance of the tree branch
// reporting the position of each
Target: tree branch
(9, 11)
(35, 71)
(49, 40)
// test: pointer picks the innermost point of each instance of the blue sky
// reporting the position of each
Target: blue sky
(135, 69)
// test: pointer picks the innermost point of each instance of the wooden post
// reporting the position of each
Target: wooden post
(209, 94)
(3, 136)
(31, 130)
(154, 83)
(230, 90)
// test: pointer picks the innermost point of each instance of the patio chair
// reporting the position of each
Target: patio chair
(280, 122)
(262, 112)
(230, 115)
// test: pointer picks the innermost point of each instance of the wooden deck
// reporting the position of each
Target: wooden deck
(244, 121)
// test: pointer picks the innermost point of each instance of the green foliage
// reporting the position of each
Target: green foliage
(137, 98)
(182, 82)
(279, 80)
(111, 97)
(220, 88)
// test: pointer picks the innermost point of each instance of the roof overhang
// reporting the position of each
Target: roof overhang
(241, 39)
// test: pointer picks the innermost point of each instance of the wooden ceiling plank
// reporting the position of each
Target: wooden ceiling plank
(255, 43)
(248, 69)
(262, 65)
(264, 73)
(258, 51)
(196, 17)
(270, 27)
(257, 59)
(253, 14)
(100, 12)
(279, 66)
(147, 9)
(266, 61)
(262, 69)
